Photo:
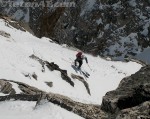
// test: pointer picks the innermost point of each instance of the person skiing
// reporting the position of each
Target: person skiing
(79, 59)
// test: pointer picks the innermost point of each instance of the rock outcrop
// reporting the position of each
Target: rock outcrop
(52, 66)
(131, 100)
(3, 33)
(131, 96)
(139, 112)
(30, 93)
(115, 28)
(6, 87)
(83, 81)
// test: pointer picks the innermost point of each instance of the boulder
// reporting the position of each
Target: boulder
(139, 112)
(6, 87)
(132, 91)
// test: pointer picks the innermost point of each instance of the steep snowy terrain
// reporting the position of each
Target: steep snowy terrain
(15, 64)
(115, 28)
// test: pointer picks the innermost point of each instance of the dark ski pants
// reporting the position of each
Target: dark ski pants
(80, 63)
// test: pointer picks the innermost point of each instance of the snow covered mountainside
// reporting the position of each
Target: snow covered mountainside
(115, 28)
(26, 60)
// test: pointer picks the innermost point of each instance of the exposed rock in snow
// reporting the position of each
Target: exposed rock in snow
(52, 63)
(139, 112)
(83, 81)
(132, 91)
(6, 87)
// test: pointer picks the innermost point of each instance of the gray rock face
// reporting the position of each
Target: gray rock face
(83, 81)
(139, 112)
(115, 28)
(52, 66)
(30, 93)
(132, 92)
(6, 87)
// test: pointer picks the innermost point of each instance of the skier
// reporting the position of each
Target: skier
(79, 59)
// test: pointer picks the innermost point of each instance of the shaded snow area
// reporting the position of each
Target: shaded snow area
(15, 64)
(27, 110)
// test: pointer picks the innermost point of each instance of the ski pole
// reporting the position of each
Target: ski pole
(89, 67)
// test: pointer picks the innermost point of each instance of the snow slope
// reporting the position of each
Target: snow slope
(27, 110)
(15, 62)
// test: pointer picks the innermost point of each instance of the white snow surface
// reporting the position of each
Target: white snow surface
(27, 110)
(15, 62)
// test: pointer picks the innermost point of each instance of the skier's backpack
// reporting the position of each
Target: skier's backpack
(79, 54)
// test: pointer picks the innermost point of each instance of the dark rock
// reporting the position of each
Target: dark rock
(87, 111)
(6, 87)
(93, 30)
(83, 81)
(22, 97)
(132, 91)
(34, 76)
(27, 75)
(26, 89)
(3, 33)
(50, 84)
(52, 66)
(67, 78)
(139, 112)
(17, 26)
(84, 110)
(39, 60)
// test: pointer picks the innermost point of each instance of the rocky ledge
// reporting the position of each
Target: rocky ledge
(131, 100)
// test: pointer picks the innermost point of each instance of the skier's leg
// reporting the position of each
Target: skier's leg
(80, 64)
(75, 62)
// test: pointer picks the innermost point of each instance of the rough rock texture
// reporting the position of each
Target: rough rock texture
(83, 81)
(6, 87)
(84, 110)
(139, 112)
(30, 93)
(52, 66)
(26, 89)
(131, 100)
(132, 91)
(64, 74)
(118, 28)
